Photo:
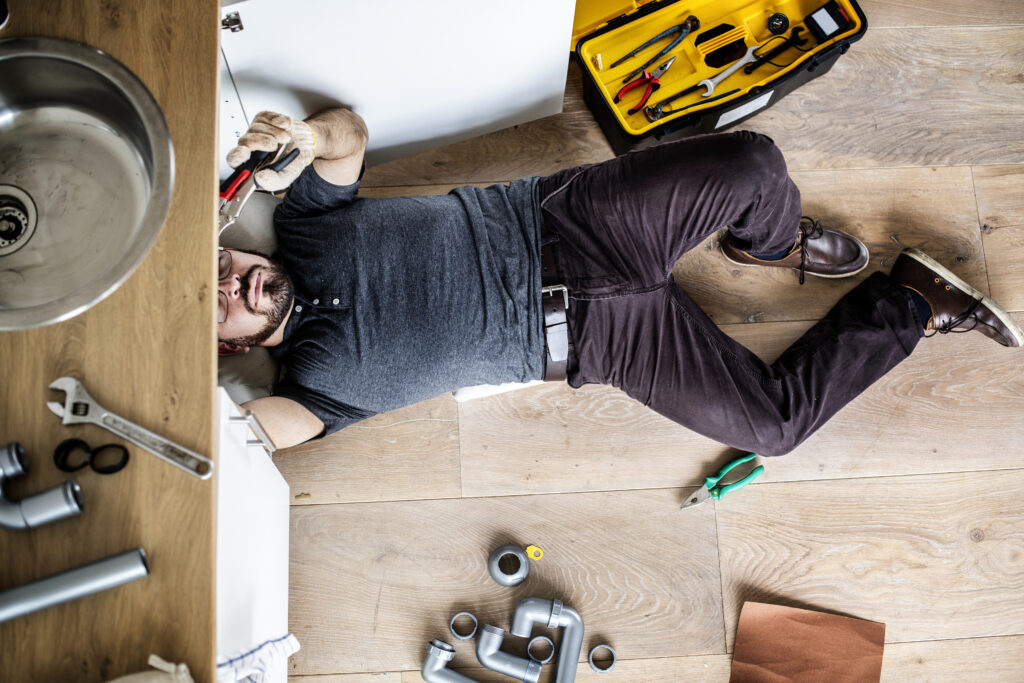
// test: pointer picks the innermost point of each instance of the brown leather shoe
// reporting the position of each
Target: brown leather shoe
(821, 251)
(956, 306)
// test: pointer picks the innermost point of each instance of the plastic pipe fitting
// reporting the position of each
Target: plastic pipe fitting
(42, 508)
(518, 575)
(598, 648)
(553, 614)
(74, 583)
(435, 666)
(463, 636)
(488, 651)
(541, 639)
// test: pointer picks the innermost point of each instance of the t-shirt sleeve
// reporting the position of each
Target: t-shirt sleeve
(334, 414)
(311, 195)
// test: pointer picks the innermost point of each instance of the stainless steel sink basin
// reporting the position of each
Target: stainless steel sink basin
(86, 176)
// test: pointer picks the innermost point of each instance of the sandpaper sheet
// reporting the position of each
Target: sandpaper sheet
(776, 644)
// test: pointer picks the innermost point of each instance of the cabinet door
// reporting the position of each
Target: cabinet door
(422, 74)
(252, 542)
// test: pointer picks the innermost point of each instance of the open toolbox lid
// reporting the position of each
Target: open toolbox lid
(611, 28)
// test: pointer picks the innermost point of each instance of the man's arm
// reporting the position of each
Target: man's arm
(341, 138)
(286, 422)
(333, 140)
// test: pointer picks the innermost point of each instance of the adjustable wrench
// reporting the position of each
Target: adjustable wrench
(81, 408)
(710, 83)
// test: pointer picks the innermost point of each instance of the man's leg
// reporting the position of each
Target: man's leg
(622, 224)
(660, 348)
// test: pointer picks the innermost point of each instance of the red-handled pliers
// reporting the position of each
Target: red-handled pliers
(648, 79)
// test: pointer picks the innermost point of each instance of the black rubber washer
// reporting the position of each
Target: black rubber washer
(114, 467)
(778, 23)
(63, 453)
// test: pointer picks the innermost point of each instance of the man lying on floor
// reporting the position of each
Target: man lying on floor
(374, 304)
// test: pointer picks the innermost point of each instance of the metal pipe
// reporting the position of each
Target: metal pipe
(488, 651)
(74, 583)
(553, 614)
(59, 502)
(435, 666)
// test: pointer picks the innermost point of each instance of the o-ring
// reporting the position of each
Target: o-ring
(62, 455)
(551, 644)
(113, 467)
(590, 658)
(451, 626)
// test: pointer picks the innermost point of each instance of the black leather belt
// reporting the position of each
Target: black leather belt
(555, 299)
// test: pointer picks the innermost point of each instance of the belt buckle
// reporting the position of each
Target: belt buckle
(550, 290)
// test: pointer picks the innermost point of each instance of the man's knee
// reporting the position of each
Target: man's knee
(753, 157)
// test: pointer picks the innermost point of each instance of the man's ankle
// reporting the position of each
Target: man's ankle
(920, 304)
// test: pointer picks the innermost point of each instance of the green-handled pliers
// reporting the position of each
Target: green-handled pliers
(712, 488)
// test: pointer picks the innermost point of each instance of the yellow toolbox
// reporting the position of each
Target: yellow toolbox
(656, 71)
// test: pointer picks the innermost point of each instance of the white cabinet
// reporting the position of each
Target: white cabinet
(252, 541)
(422, 74)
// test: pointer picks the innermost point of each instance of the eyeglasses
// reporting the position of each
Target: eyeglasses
(223, 273)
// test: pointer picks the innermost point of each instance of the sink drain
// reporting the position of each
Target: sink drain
(17, 219)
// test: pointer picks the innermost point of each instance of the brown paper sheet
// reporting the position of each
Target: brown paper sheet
(776, 644)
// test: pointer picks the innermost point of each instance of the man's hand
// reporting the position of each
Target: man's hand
(268, 130)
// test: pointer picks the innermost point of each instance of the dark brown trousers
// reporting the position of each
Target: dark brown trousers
(620, 226)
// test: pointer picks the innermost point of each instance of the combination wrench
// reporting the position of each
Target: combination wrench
(710, 83)
(81, 408)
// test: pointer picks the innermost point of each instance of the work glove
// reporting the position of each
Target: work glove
(268, 130)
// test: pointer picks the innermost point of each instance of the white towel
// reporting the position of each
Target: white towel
(253, 665)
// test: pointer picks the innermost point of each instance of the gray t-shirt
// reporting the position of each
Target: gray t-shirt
(399, 300)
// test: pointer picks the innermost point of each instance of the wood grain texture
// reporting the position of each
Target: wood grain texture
(597, 438)
(991, 660)
(932, 557)
(908, 97)
(145, 352)
(1000, 191)
(371, 584)
(404, 454)
(952, 13)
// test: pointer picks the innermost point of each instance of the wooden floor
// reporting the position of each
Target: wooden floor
(907, 508)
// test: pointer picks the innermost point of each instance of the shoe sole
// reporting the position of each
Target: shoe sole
(768, 264)
(943, 272)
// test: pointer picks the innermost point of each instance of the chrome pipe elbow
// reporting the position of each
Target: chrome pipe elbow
(553, 614)
(488, 651)
(435, 666)
(59, 502)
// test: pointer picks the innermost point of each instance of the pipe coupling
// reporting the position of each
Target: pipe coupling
(517, 564)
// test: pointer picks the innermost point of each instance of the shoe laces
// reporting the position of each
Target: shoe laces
(810, 229)
(955, 322)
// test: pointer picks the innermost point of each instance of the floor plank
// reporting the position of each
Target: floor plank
(904, 14)
(591, 439)
(982, 660)
(405, 454)
(1000, 191)
(996, 660)
(371, 584)
(932, 557)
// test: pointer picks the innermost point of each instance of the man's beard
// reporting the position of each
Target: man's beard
(279, 290)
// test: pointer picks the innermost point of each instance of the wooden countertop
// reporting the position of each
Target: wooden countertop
(147, 353)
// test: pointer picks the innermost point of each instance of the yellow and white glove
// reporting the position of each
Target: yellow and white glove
(268, 130)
